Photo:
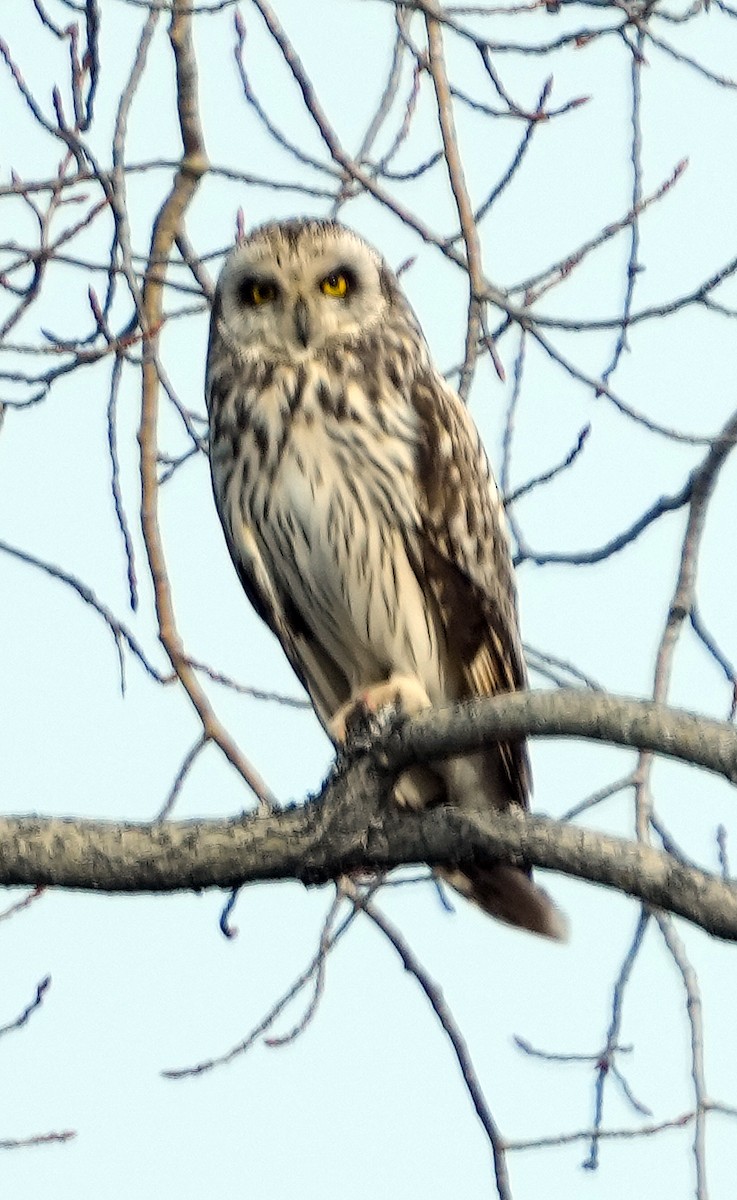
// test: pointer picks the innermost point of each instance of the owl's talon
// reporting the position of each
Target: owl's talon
(372, 712)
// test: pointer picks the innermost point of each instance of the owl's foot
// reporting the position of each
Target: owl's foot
(366, 716)
(369, 710)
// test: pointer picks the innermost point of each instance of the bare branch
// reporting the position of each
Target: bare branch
(24, 1017)
(349, 828)
(167, 227)
(439, 1005)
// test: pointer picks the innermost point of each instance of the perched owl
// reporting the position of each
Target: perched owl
(360, 512)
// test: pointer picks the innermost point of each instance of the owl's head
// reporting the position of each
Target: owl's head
(293, 288)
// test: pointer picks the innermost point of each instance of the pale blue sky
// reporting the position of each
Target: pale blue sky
(368, 1100)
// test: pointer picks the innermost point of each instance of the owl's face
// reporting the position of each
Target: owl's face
(291, 290)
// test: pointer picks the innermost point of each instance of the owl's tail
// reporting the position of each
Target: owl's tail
(474, 780)
(507, 893)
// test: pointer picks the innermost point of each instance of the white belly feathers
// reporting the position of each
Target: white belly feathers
(334, 522)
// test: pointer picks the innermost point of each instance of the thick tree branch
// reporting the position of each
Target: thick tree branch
(351, 826)
(568, 713)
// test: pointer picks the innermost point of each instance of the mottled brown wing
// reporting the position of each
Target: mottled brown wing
(319, 675)
(467, 562)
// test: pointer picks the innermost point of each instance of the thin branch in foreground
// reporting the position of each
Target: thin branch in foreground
(633, 264)
(167, 226)
(585, 1135)
(638, 1105)
(539, 659)
(37, 1139)
(187, 763)
(20, 905)
(612, 1037)
(23, 1018)
(280, 138)
(381, 167)
(597, 385)
(663, 505)
(705, 637)
(723, 855)
(553, 1056)
(350, 827)
(323, 949)
(534, 121)
(696, 1024)
(552, 472)
(325, 946)
(464, 208)
(703, 482)
(534, 287)
(509, 425)
(120, 513)
(244, 689)
(604, 793)
(724, 81)
(118, 630)
(439, 1006)
(224, 925)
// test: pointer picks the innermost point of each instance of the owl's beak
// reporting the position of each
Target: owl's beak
(302, 322)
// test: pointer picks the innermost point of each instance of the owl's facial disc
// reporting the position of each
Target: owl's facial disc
(292, 297)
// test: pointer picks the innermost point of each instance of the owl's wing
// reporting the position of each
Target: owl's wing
(466, 561)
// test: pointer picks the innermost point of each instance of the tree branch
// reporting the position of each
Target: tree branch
(567, 713)
(350, 826)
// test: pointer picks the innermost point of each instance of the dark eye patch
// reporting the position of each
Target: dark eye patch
(254, 291)
(349, 275)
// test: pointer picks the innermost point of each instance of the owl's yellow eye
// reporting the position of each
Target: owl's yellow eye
(257, 291)
(335, 285)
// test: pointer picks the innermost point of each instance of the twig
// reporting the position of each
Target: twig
(702, 633)
(37, 1139)
(19, 905)
(677, 951)
(457, 179)
(118, 630)
(601, 1135)
(439, 1006)
(118, 505)
(255, 693)
(167, 225)
(323, 949)
(552, 473)
(723, 856)
(187, 763)
(612, 1037)
(597, 797)
(665, 504)
(24, 1017)
(633, 264)
(274, 1012)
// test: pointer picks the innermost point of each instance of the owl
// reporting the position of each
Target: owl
(362, 517)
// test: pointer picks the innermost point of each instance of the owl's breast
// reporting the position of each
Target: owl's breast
(335, 512)
(309, 439)
(324, 482)
(327, 503)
